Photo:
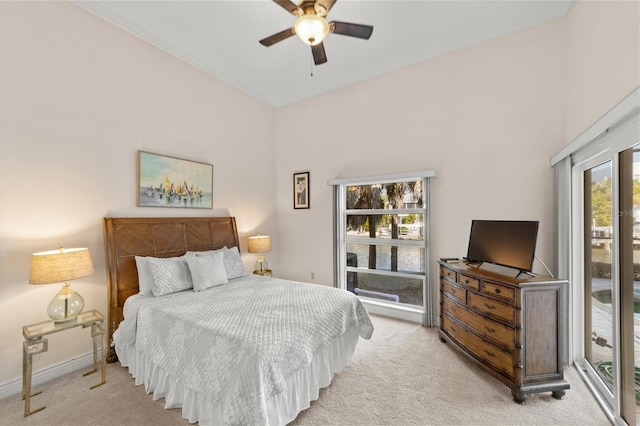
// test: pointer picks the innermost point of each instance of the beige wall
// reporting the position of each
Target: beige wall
(603, 60)
(486, 119)
(79, 97)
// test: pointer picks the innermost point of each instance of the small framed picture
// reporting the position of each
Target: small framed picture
(301, 190)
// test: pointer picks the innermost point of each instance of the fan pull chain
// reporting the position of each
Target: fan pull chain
(311, 67)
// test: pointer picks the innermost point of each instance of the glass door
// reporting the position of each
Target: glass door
(629, 219)
(598, 283)
(611, 270)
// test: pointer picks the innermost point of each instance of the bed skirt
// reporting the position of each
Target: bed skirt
(301, 387)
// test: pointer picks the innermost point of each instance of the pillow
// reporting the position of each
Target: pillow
(170, 275)
(203, 253)
(145, 280)
(233, 263)
(207, 271)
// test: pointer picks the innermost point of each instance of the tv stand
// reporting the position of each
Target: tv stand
(512, 328)
(473, 263)
(524, 272)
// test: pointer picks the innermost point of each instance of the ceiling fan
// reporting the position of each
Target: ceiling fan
(312, 27)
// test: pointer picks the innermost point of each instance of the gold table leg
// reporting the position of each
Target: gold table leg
(29, 349)
(97, 329)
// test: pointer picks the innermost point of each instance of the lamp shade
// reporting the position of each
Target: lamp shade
(57, 266)
(259, 244)
(311, 29)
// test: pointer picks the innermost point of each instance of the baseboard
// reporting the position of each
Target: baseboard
(53, 372)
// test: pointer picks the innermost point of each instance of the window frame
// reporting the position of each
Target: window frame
(427, 313)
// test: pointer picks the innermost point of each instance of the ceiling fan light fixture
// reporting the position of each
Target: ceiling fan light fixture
(311, 29)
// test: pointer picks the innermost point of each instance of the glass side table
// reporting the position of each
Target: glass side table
(35, 343)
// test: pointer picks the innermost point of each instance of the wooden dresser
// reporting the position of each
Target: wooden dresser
(513, 328)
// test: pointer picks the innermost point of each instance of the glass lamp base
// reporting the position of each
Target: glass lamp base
(65, 306)
(261, 264)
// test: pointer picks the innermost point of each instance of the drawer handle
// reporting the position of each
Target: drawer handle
(497, 291)
(466, 281)
(453, 291)
(489, 353)
(490, 307)
(453, 329)
(489, 329)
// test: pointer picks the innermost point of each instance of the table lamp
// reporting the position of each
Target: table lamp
(260, 244)
(62, 266)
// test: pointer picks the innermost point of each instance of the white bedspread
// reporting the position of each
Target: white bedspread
(239, 344)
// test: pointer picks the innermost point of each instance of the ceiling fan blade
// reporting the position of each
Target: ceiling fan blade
(282, 35)
(349, 29)
(326, 4)
(319, 56)
(290, 7)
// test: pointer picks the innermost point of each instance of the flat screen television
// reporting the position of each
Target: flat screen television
(510, 243)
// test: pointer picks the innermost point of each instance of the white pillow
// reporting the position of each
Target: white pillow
(170, 275)
(233, 263)
(203, 253)
(207, 271)
(145, 280)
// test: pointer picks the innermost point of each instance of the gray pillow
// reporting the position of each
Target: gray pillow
(145, 280)
(170, 275)
(207, 271)
(233, 263)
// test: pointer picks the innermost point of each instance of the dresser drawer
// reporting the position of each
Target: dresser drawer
(446, 272)
(499, 333)
(454, 291)
(453, 309)
(497, 290)
(492, 307)
(500, 359)
(468, 281)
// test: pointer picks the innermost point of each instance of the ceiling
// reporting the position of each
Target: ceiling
(221, 37)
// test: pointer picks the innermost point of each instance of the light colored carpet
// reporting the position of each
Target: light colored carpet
(404, 375)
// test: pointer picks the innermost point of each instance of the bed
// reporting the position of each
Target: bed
(234, 348)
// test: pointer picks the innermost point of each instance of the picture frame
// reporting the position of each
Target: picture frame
(301, 191)
(165, 181)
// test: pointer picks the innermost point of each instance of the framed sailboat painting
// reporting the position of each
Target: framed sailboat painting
(165, 181)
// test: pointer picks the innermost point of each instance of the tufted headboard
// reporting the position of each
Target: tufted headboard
(125, 238)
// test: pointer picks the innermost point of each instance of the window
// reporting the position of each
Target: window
(382, 241)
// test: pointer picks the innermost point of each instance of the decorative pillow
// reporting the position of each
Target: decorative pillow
(170, 275)
(203, 253)
(145, 280)
(207, 271)
(233, 263)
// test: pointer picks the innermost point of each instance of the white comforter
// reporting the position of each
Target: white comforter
(237, 344)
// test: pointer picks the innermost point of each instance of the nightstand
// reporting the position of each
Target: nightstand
(263, 272)
(35, 343)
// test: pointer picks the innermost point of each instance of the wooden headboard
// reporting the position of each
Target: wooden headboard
(125, 238)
